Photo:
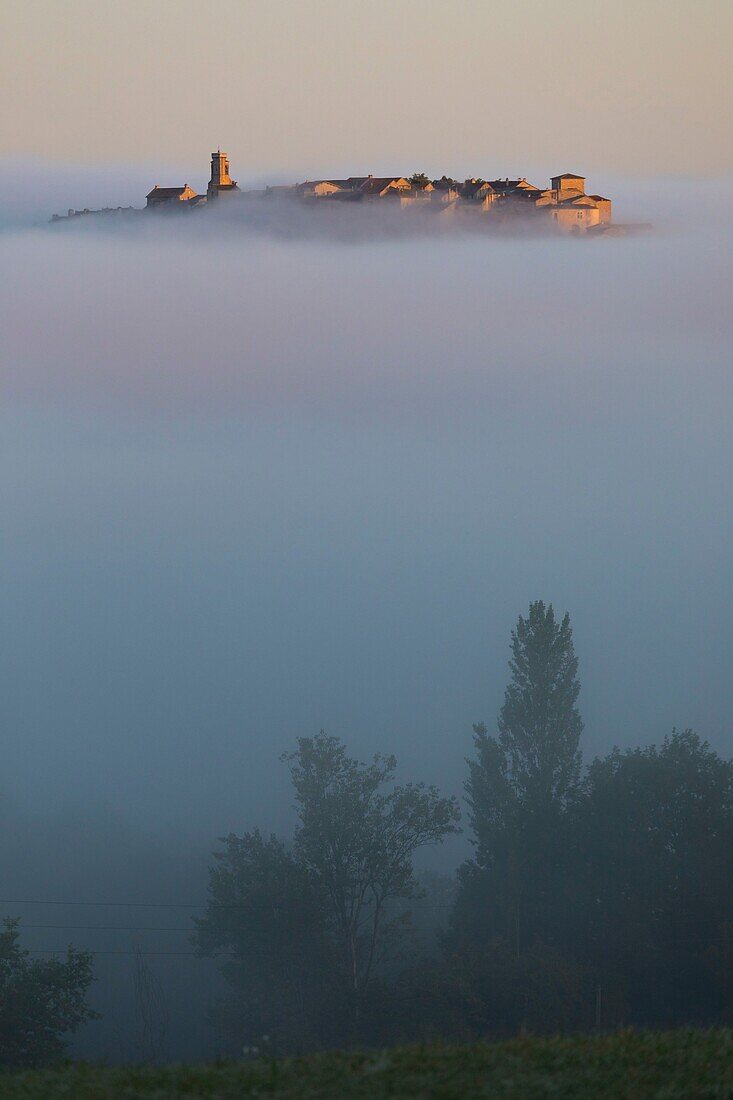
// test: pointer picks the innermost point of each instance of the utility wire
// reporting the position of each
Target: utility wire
(84, 951)
(181, 905)
(117, 928)
(126, 904)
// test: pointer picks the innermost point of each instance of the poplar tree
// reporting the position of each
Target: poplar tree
(524, 777)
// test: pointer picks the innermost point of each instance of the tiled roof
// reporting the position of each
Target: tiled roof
(375, 185)
(166, 192)
(316, 183)
(578, 200)
(472, 187)
(505, 185)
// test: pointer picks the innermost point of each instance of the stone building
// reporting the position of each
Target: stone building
(570, 209)
(221, 183)
(575, 215)
(363, 187)
(318, 189)
(378, 187)
(568, 184)
(169, 196)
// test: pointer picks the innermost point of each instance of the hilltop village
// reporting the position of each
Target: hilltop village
(563, 207)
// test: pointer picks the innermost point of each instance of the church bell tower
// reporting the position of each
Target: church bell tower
(220, 178)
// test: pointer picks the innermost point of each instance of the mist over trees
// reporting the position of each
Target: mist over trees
(595, 896)
(332, 911)
(41, 1001)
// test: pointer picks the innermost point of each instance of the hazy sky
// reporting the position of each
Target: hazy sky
(299, 88)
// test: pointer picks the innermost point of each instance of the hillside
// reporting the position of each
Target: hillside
(623, 1066)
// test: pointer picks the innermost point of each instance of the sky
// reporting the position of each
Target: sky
(290, 90)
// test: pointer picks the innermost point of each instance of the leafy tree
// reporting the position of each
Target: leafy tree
(310, 932)
(358, 841)
(41, 1000)
(654, 886)
(265, 919)
(418, 180)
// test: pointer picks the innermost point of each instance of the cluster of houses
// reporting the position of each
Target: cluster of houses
(563, 206)
(565, 202)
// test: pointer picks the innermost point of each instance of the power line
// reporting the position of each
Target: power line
(117, 928)
(182, 905)
(129, 928)
(84, 951)
(125, 904)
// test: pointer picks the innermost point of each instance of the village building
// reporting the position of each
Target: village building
(445, 190)
(381, 186)
(477, 190)
(318, 189)
(410, 195)
(571, 210)
(365, 187)
(583, 212)
(567, 185)
(220, 183)
(604, 209)
(521, 187)
(169, 197)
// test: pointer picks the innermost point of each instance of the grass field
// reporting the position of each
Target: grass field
(623, 1066)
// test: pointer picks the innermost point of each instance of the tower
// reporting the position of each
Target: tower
(220, 178)
(219, 169)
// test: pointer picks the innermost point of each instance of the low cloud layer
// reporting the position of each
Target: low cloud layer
(257, 482)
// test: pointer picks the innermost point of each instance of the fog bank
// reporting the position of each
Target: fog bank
(255, 486)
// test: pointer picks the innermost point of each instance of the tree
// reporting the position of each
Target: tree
(418, 180)
(265, 919)
(654, 888)
(311, 932)
(523, 781)
(539, 723)
(616, 889)
(41, 1000)
(358, 842)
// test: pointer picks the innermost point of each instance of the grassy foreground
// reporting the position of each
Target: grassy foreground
(623, 1066)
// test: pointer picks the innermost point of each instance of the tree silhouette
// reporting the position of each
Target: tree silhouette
(526, 776)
